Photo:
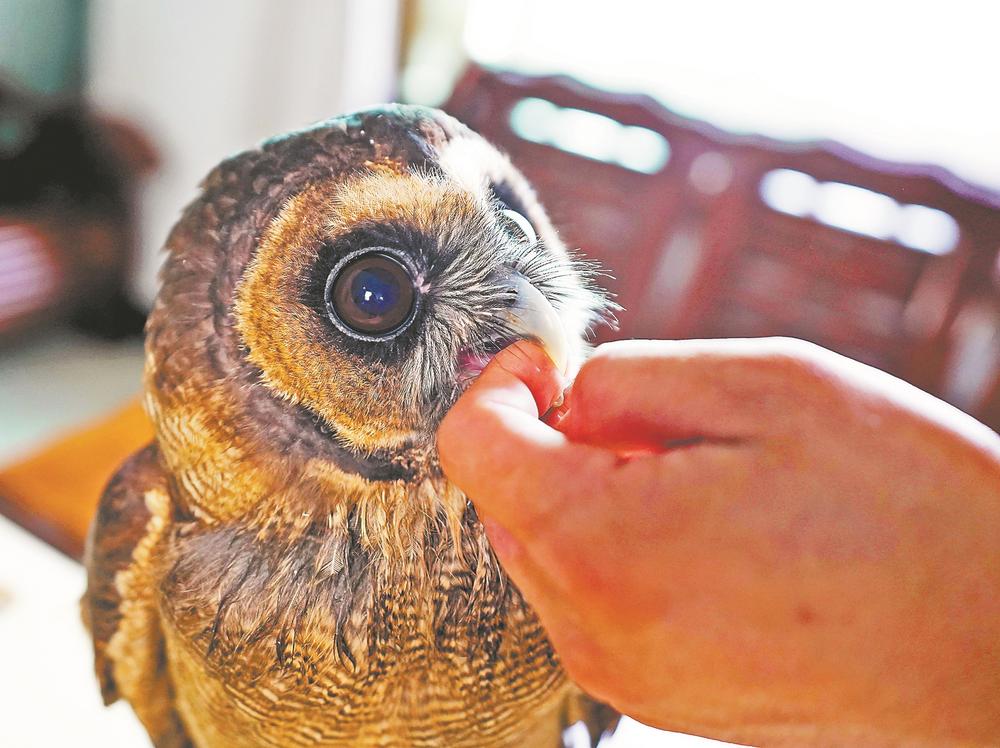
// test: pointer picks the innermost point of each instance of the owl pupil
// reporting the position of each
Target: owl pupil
(375, 291)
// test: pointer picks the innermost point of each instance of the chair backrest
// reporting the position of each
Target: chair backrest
(708, 234)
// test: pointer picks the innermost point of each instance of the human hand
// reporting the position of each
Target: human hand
(756, 540)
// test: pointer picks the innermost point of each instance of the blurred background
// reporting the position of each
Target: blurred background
(824, 170)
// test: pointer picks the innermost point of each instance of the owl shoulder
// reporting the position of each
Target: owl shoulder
(118, 611)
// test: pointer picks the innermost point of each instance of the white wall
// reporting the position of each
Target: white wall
(207, 79)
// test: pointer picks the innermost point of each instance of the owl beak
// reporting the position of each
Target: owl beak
(533, 317)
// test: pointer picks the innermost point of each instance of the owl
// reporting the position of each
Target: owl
(286, 565)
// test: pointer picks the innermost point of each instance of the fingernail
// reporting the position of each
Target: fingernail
(558, 411)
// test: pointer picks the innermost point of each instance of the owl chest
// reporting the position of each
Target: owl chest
(317, 643)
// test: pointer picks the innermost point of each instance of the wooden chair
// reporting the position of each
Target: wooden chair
(708, 234)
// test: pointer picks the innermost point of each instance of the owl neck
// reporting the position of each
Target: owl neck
(282, 501)
(223, 473)
(378, 467)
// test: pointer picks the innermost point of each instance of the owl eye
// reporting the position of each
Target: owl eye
(371, 294)
(523, 224)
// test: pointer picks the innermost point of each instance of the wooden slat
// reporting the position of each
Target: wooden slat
(873, 299)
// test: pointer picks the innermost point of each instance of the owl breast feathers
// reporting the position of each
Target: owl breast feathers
(285, 565)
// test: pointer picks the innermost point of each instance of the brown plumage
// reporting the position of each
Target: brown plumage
(285, 564)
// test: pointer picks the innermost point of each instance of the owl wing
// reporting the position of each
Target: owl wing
(119, 607)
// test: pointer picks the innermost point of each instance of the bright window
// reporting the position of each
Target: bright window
(912, 82)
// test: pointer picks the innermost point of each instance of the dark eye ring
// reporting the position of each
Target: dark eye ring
(371, 293)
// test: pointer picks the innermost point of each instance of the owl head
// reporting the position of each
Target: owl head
(331, 293)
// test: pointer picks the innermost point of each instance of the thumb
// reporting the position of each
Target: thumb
(496, 420)
(492, 445)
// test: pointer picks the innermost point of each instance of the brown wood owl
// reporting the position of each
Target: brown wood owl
(286, 565)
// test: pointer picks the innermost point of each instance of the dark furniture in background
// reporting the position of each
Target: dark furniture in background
(67, 182)
(708, 234)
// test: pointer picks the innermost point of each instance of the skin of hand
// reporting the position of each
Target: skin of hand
(753, 540)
